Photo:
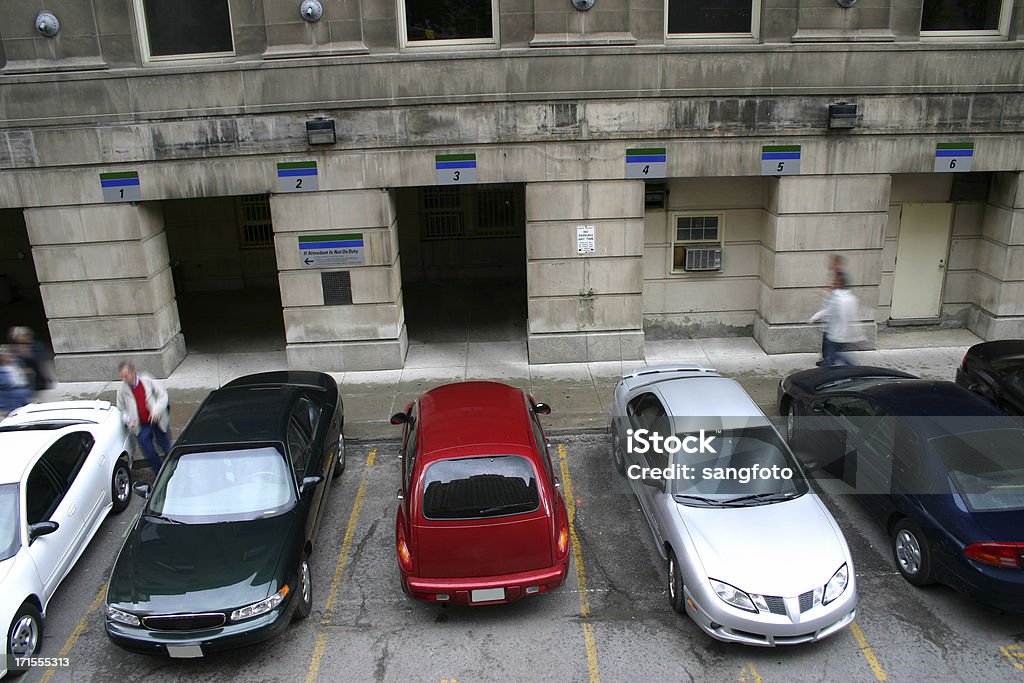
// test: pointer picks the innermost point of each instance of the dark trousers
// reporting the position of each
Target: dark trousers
(147, 433)
(834, 353)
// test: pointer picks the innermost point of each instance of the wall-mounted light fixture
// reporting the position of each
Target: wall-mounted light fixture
(47, 24)
(320, 131)
(311, 10)
(842, 115)
(583, 5)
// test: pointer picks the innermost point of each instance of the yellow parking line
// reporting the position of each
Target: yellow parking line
(748, 674)
(1015, 653)
(79, 630)
(346, 546)
(868, 652)
(581, 574)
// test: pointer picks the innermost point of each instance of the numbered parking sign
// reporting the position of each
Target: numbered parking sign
(297, 176)
(122, 186)
(954, 157)
(646, 162)
(780, 160)
(455, 169)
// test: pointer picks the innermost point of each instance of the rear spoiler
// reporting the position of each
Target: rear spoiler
(663, 369)
(44, 410)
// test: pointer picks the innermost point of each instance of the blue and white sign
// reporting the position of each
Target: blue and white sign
(122, 186)
(780, 160)
(954, 157)
(646, 162)
(455, 169)
(297, 176)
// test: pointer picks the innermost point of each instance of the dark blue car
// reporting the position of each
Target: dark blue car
(940, 467)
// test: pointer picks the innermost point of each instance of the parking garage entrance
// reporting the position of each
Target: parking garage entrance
(20, 301)
(224, 268)
(463, 255)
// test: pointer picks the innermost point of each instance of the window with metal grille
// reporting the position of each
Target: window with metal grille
(696, 243)
(337, 287)
(254, 220)
(496, 212)
(442, 213)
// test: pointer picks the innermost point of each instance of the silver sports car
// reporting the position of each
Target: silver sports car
(753, 556)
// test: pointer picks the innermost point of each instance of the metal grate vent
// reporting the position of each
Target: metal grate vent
(703, 258)
(776, 605)
(806, 601)
(337, 286)
(970, 187)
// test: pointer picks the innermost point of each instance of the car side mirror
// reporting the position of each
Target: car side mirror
(142, 490)
(542, 409)
(41, 529)
(817, 408)
(399, 419)
(654, 483)
(309, 483)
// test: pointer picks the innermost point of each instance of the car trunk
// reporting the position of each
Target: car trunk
(483, 547)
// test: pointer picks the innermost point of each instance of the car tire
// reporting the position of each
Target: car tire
(675, 584)
(121, 485)
(339, 466)
(304, 591)
(791, 415)
(25, 634)
(618, 458)
(912, 554)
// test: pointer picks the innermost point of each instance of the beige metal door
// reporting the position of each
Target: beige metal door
(921, 261)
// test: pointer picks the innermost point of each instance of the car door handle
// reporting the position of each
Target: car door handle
(72, 509)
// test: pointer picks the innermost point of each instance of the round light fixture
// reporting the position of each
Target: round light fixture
(311, 10)
(47, 24)
(583, 5)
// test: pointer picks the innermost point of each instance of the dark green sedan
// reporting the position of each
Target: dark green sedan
(219, 556)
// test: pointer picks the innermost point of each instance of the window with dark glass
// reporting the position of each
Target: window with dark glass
(485, 486)
(187, 27)
(709, 16)
(67, 456)
(427, 20)
(960, 15)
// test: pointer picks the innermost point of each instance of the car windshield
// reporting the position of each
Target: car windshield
(987, 466)
(485, 486)
(223, 486)
(749, 466)
(10, 539)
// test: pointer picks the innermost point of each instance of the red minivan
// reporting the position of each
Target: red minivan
(481, 519)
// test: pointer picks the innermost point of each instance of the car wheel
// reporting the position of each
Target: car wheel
(791, 415)
(25, 636)
(121, 485)
(912, 554)
(675, 584)
(618, 458)
(305, 592)
(339, 467)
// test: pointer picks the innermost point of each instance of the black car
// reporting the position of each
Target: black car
(219, 556)
(995, 371)
(939, 467)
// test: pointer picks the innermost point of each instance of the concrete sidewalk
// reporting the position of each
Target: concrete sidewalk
(578, 392)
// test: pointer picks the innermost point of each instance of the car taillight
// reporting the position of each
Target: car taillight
(998, 554)
(404, 556)
(563, 540)
(963, 363)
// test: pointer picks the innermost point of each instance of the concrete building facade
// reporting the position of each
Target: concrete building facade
(641, 169)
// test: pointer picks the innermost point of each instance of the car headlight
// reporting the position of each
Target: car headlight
(734, 596)
(836, 585)
(261, 607)
(122, 617)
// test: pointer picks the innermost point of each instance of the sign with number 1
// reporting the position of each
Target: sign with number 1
(122, 186)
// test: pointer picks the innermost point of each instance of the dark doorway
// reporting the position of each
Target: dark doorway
(20, 300)
(224, 266)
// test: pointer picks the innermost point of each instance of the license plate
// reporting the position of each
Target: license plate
(185, 651)
(487, 594)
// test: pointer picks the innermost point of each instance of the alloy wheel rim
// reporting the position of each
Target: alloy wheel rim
(672, 578)
(122, 484)
(908, 552)
(341, 451)
(306, 594)
(790, 423)
(24, 636)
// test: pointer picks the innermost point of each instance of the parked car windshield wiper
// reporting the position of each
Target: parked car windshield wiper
(524, 507)
(760, 497)
(685, 497)
(164, 518)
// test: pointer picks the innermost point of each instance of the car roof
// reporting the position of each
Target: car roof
(1003, 349)
(19, 450)
(468, 414)
(242, 414)
(925, 397)
(710, 396)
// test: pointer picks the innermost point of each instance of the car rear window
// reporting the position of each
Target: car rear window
(987, 467)
(482, 486)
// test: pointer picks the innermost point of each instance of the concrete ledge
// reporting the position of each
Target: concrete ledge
(991, 327)
(803, 338)
(98, 367)
(381, 354)
(589, 347)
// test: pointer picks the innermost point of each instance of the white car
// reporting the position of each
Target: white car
(63, 467)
